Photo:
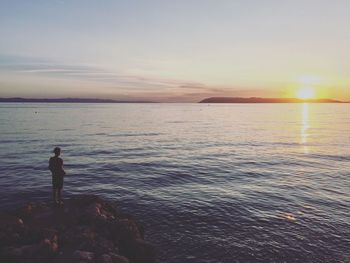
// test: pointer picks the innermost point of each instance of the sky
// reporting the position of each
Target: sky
(174, 51)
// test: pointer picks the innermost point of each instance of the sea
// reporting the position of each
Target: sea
(209, 182)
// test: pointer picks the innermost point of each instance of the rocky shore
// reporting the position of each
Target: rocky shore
(85, 229)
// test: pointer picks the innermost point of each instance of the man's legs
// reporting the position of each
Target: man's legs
(57, 185)
(59, 198)
(55, 195)
(59, 190)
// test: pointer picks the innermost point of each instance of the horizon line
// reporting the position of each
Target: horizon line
(253, 99)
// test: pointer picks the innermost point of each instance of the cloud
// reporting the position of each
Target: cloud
(80, 79)
(86, 72)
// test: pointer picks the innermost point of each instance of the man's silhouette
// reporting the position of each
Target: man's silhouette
(56, 168)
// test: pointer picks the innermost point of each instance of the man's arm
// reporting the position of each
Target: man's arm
(50, 165)
(64, 173)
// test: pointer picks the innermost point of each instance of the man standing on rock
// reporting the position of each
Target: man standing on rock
(56, 168)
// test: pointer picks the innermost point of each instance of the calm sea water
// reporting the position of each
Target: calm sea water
(211, 183)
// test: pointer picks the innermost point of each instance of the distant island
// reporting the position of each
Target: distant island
(265, 100)
(69, 100)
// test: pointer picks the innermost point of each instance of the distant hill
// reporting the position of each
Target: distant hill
(265, 100)
(68, 100)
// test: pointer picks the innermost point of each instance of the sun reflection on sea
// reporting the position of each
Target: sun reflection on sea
(304, 127)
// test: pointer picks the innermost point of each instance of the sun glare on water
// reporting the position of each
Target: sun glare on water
(306, 93)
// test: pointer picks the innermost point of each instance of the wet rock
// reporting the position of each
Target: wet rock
(103, 245)
(84, 256)
(20, 222)
(27, 210)
(11, 252)
(87, 229)
(15, 236)
(94, 210)
(105, 258)
(138, 251)
(23, 251)
(51, 245)
(125, 229)
(10, 220)
(119, 259)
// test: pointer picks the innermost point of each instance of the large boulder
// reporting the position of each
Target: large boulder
(87, 229)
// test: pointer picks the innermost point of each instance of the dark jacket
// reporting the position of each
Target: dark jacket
(56, 166)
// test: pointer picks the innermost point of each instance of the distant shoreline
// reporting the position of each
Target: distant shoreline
(68, 100)
(237, 100)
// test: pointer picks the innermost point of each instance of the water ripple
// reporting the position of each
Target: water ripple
(225, 183)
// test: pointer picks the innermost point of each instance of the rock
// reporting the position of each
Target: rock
(85, 256)
(103, 245)
(87, 229)
(11, 220)
(94, 210)
(51, 246)
(119, 259)
(20, 222)
(23, 251)
(11, 252)
(54, 248)
(105, 258)
(44, 249)
(127, 229)
(138, 251)
(28, 209)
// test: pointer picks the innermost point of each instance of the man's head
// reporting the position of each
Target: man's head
(57, 151)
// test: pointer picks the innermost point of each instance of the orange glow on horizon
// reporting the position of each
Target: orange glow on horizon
(312, 87)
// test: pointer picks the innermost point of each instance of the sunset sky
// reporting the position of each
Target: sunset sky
(176, 51)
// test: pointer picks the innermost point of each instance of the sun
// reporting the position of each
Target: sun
(306, 93)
